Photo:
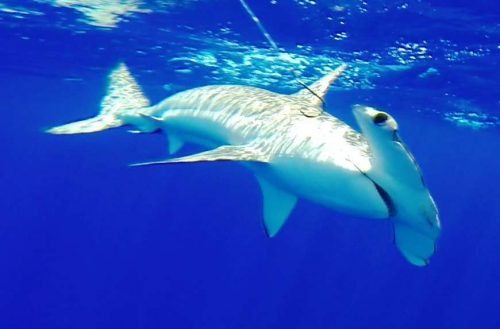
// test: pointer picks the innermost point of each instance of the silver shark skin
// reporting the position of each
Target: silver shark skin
(295, 148)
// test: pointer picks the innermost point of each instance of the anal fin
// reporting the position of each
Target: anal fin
(151, 118)
(277, 204)
(175, 143)
(222, 153)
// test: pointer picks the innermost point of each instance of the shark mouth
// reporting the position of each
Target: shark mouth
(389, 203)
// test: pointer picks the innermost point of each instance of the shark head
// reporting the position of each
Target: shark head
(396, 172)
(377, 126)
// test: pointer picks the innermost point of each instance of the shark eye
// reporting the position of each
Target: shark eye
(380, 118)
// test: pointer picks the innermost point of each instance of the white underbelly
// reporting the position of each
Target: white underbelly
(334, 187)
(324, 182)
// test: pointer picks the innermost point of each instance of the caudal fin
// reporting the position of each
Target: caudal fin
(123, 94)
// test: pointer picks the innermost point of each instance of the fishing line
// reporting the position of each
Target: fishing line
(275, 47)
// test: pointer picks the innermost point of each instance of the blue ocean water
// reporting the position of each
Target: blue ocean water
(88, 242)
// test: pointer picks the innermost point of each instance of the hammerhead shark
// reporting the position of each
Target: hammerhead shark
(295, 148)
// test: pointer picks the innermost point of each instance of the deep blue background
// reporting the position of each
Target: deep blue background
(87, 242)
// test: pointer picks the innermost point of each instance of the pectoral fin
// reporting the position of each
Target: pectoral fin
(223, 153)
(278, 205)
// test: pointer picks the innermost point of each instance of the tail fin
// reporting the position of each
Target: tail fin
(123, 94)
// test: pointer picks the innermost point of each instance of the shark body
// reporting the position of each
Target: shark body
(294, 147)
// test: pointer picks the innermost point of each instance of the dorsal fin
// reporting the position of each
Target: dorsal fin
(315, 93)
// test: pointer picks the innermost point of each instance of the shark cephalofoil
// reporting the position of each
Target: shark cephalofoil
(294, 147)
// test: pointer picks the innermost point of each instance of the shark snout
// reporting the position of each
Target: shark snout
(363, 115)
(359, 110)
